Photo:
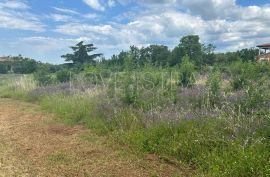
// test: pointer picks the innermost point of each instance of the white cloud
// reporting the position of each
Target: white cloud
(67, 11)
(111, 3)
(68, 15)
(48, 44)
(91, 16)
(93, 31)
(14, 15)
(95, 4)
(210, 9)
(44, 48)
(168, 26)
(142, 31)
(24, 21)
(147, 2)
(12, 4)
(61, 18)
(224, 23)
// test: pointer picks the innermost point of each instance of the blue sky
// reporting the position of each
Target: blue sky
(44, 29)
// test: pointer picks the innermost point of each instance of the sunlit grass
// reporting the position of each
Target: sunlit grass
(16, 86)
(234, 142)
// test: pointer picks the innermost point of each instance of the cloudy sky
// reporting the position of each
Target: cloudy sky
(44, 29)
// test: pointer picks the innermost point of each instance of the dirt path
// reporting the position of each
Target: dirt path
(31, 145)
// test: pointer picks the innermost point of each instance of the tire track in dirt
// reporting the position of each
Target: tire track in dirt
(31, 145)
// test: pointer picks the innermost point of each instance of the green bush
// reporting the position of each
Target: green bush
(213, 84)
(130, 89)
(24, 66)
(246, 73)
(254, 99)
(3, 69)
(239, 75)
(187, 70)
(63, 75)
(145, 88)
(43, 76)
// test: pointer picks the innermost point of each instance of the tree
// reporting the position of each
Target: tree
(80, 54)
(176, 56)
(248, 54)
(192, 47)
(208, 54)
(159, 54)
(135, 55)
(3, 68)
(189, 46)
(24, 65)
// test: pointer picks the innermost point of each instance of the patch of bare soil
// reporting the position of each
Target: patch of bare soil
(30, 145)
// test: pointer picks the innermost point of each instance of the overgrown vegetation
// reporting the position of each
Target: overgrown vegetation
(209, 111)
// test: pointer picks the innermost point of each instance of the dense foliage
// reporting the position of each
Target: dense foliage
(159, 55)
(80, 54)
(18, 65)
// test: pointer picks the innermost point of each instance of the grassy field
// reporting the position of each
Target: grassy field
(210, 126)
(48, 148)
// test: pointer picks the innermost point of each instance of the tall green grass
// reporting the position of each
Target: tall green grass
(16, 86)
(206, 145)
(76, 109)
(234, 143)
(213, 146)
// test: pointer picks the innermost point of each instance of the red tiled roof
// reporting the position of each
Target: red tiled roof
(264, 45)
(5, 58)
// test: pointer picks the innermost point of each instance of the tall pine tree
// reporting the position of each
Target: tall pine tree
(80, 54)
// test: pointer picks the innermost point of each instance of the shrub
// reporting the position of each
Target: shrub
(24, 66)
(243, 73)
(213, 86)
(63, 75)
(43, 76)
(239, 76)
(187, 69)
(253, 100)
(145, 88)
(130, 88)
(3, 69)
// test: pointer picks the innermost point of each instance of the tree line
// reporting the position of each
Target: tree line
(160, 55)
(156, 55)
(18, 65)
(198, 53)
